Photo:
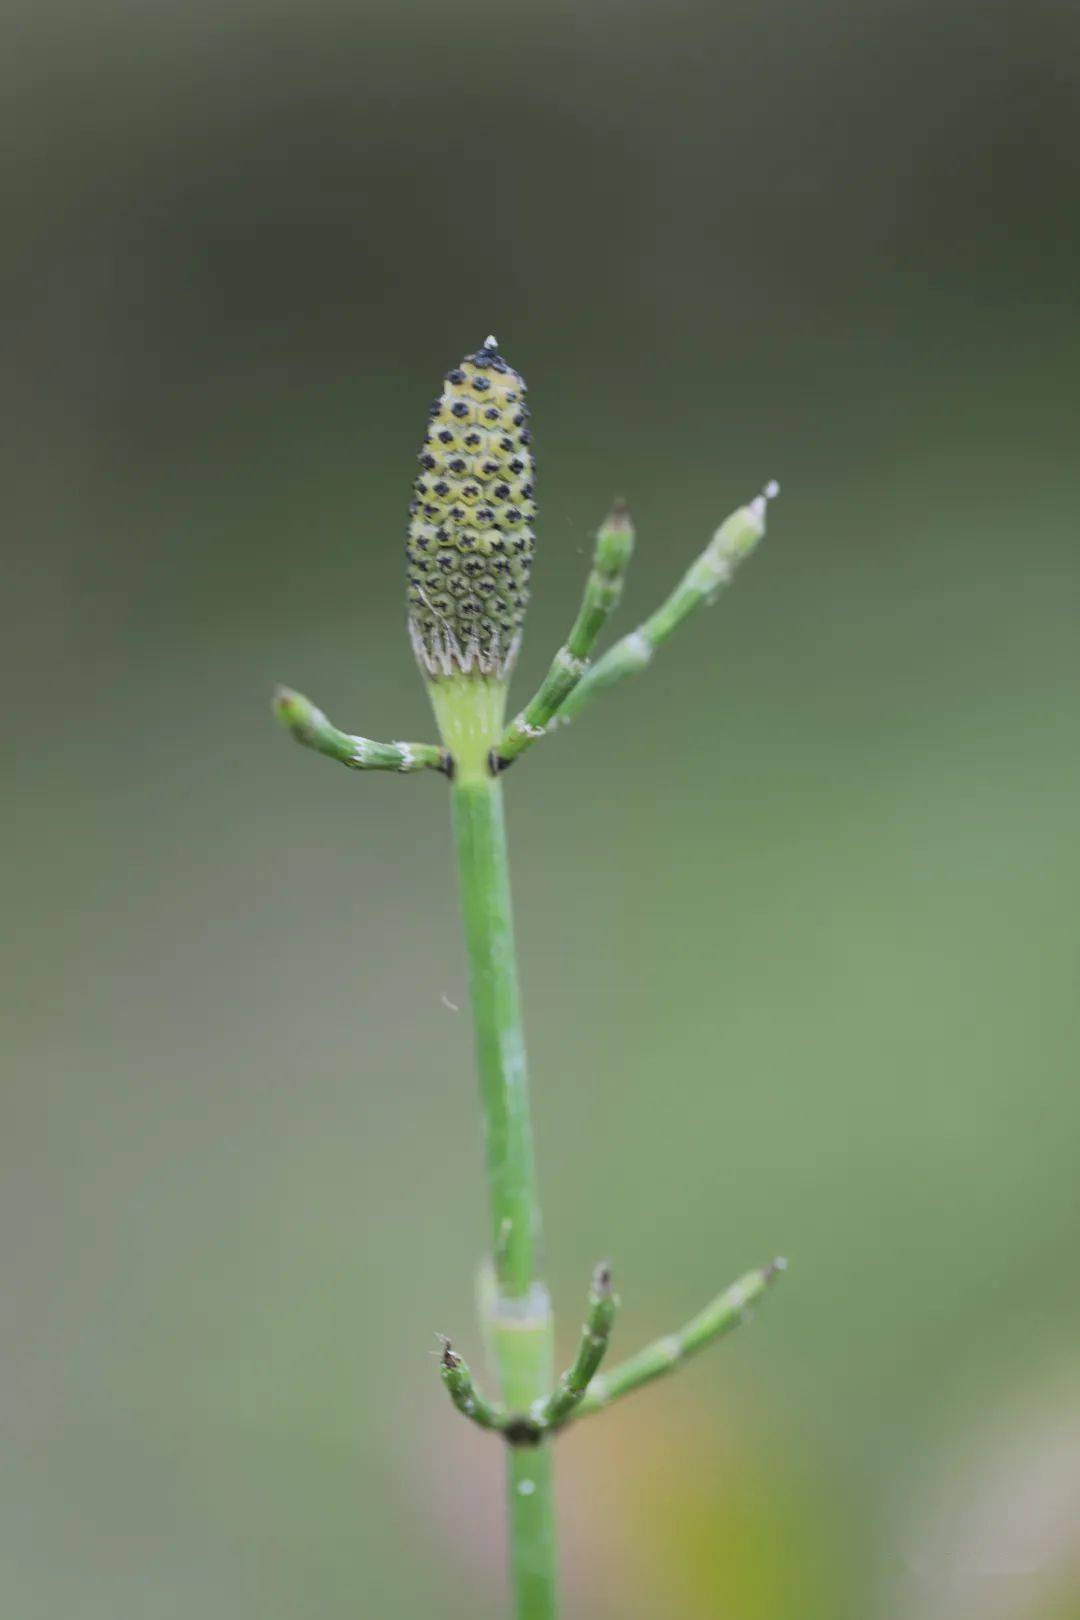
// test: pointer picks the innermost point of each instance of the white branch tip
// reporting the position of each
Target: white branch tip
(758, 505)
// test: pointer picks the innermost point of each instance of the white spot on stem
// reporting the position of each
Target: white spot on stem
(639, 645)
(524, 729)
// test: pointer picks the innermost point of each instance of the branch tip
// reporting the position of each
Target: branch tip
(285, 701)
(448, 1356)
(757, 507)
(602, 1279)
(774, 1268)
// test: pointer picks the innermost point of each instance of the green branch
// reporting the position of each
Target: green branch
(311, 727)
(463, 1392)
(595, 1338)
(603, 588)
(706, 576)
(664, 1355)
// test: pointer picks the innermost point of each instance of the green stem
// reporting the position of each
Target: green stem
(480, 833)
(519, 1324)
(310, 726)
(464, 1393)
(524, 1351)
(531, 1509)
(707, 574)
(603, 588)
(592, 1347)
(722, 1314)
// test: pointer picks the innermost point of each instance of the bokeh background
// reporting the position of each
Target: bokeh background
(797, 913)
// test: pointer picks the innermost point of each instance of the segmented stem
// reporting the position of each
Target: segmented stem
(595, 1338)
(469, 549)
(708, 574)
(530, 1489)
(522, 1340)
(311, 727)
(664, 1355)
(480, 833)
(603, 588)
(518, 1324)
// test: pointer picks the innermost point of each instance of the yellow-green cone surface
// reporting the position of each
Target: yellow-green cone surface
(471, 535)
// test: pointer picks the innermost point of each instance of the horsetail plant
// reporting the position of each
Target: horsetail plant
(470, 546)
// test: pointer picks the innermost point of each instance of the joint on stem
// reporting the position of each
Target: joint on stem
(520, 1430)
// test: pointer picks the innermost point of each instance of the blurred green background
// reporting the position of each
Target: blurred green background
(797, 915)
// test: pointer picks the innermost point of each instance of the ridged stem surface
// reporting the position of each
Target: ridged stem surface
(523, 1349)
(519, 1325)
(706, 576)
(480, 834)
